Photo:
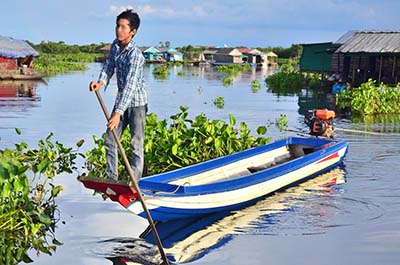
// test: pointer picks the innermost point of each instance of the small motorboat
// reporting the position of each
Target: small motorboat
(228, 182)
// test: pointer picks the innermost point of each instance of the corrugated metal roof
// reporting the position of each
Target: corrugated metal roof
(12, 48)
(372, 42)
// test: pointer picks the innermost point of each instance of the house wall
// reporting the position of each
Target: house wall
(7, 64)
(223, 58)
(359, 68)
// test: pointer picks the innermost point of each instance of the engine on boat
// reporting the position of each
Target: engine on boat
(320, 122)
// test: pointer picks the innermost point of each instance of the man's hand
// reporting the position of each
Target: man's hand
(94, 86)
(114, 121)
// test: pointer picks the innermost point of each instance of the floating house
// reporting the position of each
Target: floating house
(253, 56)
(152, 54)
(16, 59)
(171, 54)
(220, 56)
(356, 56)
(272, 59)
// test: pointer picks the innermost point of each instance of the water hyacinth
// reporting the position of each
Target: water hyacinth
(371, 99)
(28, 211)
(179, 142)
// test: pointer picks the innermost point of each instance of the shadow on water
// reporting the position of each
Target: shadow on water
(312, 207)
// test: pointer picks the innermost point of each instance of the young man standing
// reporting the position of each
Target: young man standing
(130, 106)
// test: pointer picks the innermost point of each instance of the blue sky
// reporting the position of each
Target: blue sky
(252, 23)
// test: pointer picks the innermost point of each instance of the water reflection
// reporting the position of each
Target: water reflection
(309, 99)
(17, 96)
(190, 239)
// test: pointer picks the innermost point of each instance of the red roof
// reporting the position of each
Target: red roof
(244, 50)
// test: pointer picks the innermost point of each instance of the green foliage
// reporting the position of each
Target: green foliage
(63, 48)
(287, 68)
(282, 123)
(59, 63)
(28, 212)
(227, 81)
(180, 142)
(255, 85)
(161, 72)
(313, 80)
(285, 83)
(219, 102)
(181, 73)
(371, 99)
(293, 51)
(233, 69)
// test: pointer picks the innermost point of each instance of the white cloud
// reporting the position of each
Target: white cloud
(143, 10)
(149, 10)
(116, 10)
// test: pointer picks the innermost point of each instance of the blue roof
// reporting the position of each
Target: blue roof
(12, 48)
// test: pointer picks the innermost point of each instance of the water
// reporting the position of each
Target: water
(348, 216)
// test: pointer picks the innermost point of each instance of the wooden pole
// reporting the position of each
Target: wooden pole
(394, 66)
(135, 184)
(354, 69)
(380, 69)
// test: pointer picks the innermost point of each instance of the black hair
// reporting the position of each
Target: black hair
(132, 17)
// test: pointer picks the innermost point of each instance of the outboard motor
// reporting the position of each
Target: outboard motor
(320, 122)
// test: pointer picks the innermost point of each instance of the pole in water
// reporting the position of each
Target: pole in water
(135, 184)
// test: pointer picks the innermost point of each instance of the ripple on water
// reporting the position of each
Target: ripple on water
(314, 207)
(134, 250)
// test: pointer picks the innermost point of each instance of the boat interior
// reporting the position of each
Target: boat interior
(247, 166)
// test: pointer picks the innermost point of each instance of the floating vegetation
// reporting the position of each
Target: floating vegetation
(282, 122)
(161, 72)
(181, 73)
(227, 81)
(28, 212)
(219, 102)
(233, 69)
(283, 83)
(255, 85)
(370, 99)
(59, 63)
(179, 142)
(175, 63)
(195, 74)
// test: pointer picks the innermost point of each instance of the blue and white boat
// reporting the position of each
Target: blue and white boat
(229, 182)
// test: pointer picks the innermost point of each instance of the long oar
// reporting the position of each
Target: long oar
(135, 184)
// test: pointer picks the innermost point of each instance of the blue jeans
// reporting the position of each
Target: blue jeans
(135, 117)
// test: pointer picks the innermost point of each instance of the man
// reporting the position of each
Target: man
(131, 102)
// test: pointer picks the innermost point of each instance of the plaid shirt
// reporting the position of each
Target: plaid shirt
(129, 67)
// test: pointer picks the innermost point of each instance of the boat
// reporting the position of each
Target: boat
(227, 183)
(190, 239)
(27, 76)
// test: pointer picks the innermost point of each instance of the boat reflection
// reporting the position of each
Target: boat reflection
(187, 240)
(17, 96)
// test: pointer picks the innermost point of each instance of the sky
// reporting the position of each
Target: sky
(251, 23)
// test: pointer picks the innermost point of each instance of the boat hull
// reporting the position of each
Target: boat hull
(232, 194)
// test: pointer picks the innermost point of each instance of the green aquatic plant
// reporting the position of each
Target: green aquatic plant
(255, 85)
(179, 142)
(181, 73)
(227, 81)
(58, 63)
(28, 211)
(219, 102)
(283, 83)
(370, 99)
(233, 69)
(161, 72)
